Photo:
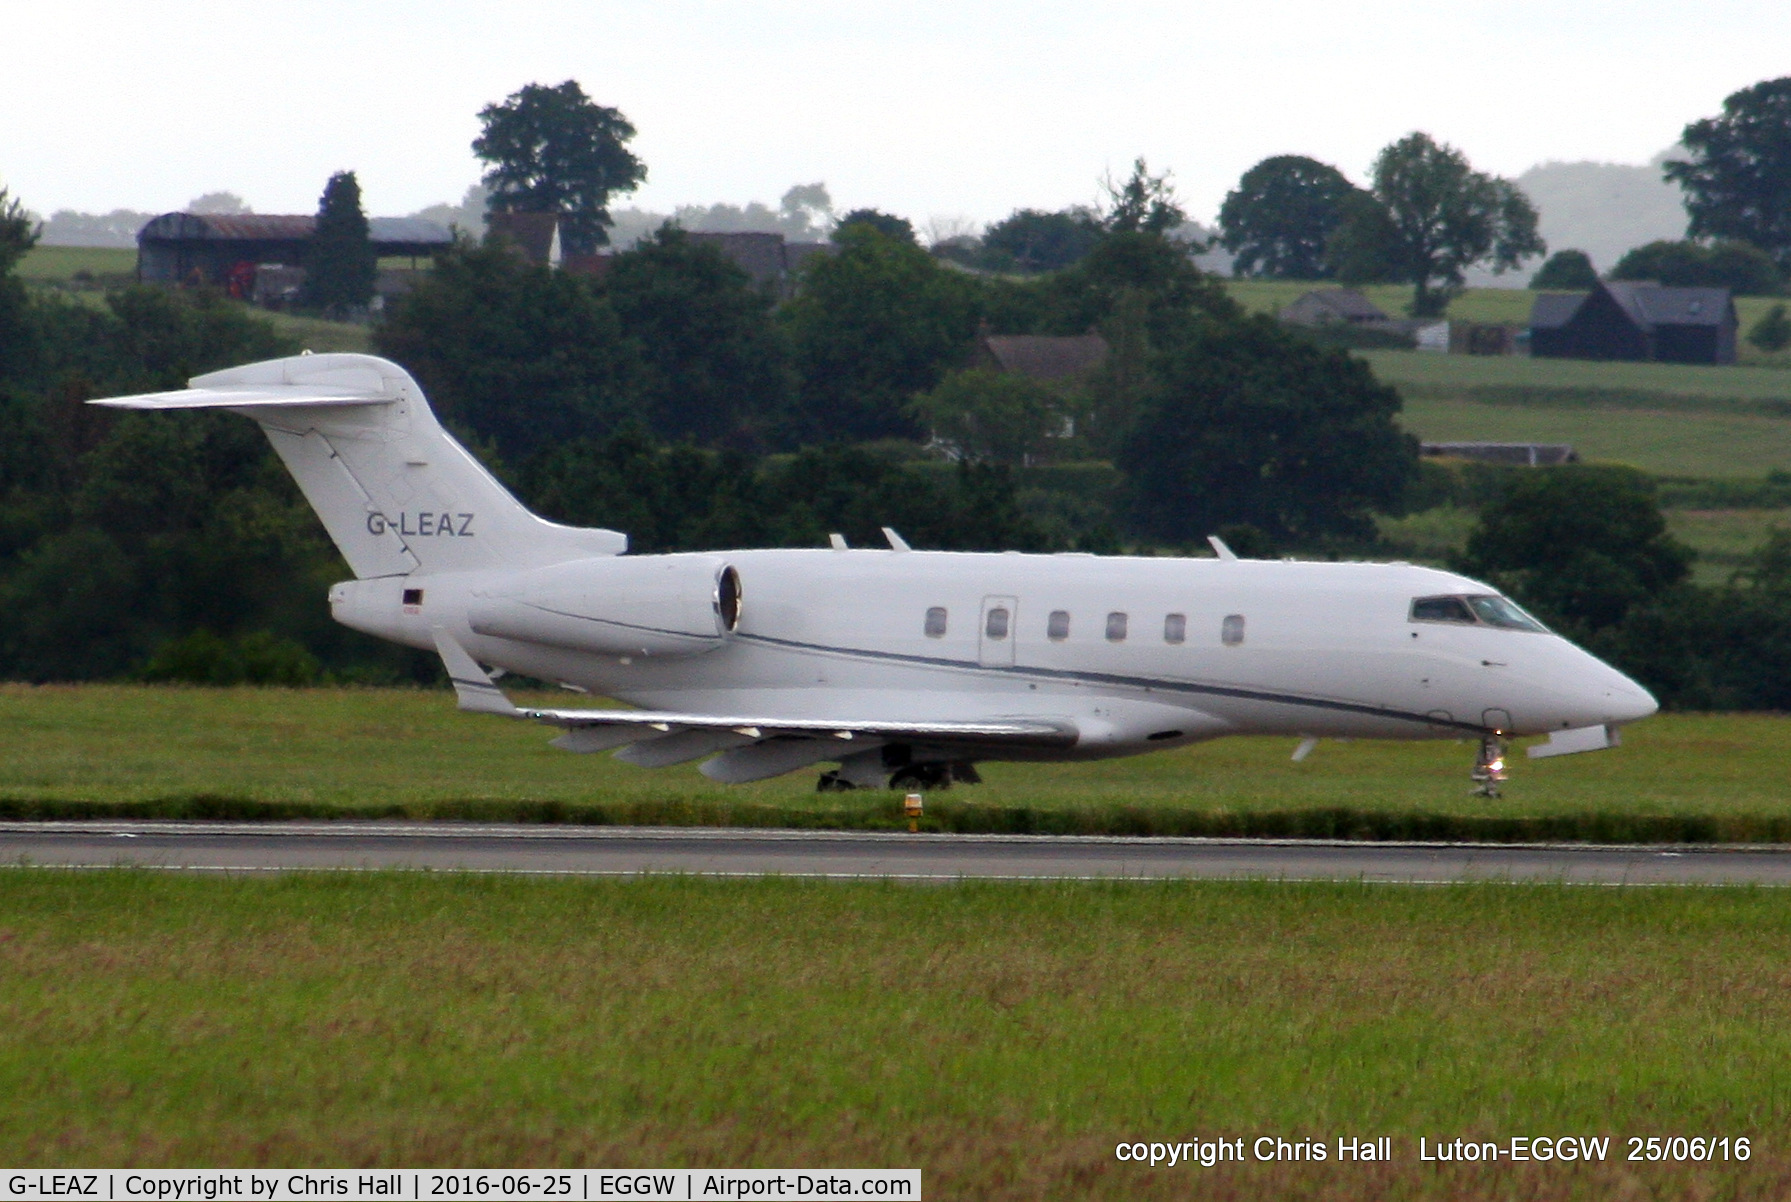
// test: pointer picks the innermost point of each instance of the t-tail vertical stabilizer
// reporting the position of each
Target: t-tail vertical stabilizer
(394, 489)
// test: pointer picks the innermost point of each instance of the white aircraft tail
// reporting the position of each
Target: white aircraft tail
(395, 491)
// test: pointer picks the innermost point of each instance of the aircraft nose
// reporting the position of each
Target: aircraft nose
(1617, 699)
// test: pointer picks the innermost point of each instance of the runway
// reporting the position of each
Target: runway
(627, 851)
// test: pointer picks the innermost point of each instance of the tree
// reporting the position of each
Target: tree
(1772, 333)
(227, 203)
(1432, 218)
(1364, 248)
(18, 234)
(870, 327)
(1737, 171)
(987, 416)
(1279, 218)
(1248, 425)
(1032, 240)
(714, 366)
(1566, 271)
(1743, 269)
(887, 224)
(554, 150)
(1581, 545)
(341, 264)
(1143, 204)
(521, 355)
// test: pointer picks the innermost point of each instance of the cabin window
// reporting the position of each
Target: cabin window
(1441, 609)
(1057, 626)
(1231, 630)
(996, 626)
(1175, 628)
(935, 626)
(1116, 628)
(413, 596)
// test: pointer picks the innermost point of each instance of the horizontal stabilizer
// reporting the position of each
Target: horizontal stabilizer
(263, 397)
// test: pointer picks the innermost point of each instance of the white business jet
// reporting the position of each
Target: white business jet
(896, 666)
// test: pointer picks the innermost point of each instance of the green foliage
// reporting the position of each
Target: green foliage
(18, 232)
(1279, 218)
(1566, 271)
(987, 416)
(340, 265)
(1737, 171)
(1143, 204)
(872, 326)
(1583, 546)
(1364, 246)
(1772, 333)
(1126, 268)
(554, 150)
(1440, 218)
(1745, 270)
(714, 368)
(887, 224)
(1248, 425)
(521, 355)
(256, 658)
(1031, 240)
(684, 499)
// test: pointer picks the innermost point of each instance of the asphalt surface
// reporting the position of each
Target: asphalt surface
(622, 851)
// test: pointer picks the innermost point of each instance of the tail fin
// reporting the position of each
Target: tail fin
(395, 491)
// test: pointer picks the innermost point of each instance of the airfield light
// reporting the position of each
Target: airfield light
(911, 806)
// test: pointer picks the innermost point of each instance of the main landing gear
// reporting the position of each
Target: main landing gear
(1489, 766)
(925, 776)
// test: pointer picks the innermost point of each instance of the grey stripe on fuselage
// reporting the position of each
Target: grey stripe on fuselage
(1113, 678)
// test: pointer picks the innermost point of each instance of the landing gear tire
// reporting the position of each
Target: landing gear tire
(1489, 766)
(922, 776)
(833, 782)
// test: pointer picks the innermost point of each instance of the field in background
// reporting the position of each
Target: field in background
(58, 264)
(1000, 1036)
(71, 750)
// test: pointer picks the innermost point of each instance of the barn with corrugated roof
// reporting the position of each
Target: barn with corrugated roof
(217, 248)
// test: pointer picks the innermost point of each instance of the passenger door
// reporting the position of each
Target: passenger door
(995, 632)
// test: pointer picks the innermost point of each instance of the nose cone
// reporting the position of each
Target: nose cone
(1617, 699)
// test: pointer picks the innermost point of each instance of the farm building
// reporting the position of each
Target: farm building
(226, 249)
(1629, 319)
(1042, 358)
(1335, 306)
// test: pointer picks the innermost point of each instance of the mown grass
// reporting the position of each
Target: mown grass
(93, 751)
(58, 264)
(1003, 1038)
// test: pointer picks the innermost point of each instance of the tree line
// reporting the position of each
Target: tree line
(1427, 215)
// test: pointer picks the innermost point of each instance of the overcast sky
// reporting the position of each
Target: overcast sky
(927, 109)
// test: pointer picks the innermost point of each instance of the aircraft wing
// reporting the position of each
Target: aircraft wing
(752, 746)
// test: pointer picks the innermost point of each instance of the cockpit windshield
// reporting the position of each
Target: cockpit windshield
(1483, 609)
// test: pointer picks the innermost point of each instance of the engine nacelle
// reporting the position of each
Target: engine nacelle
(622, 606)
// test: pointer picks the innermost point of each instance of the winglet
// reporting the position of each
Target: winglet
(1220, 549)
(471, 684)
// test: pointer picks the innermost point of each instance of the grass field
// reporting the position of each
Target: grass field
(72, 750)
(1001, 1037)
(47, 264)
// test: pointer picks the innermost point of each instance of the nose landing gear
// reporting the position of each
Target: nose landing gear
(1489, 766)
